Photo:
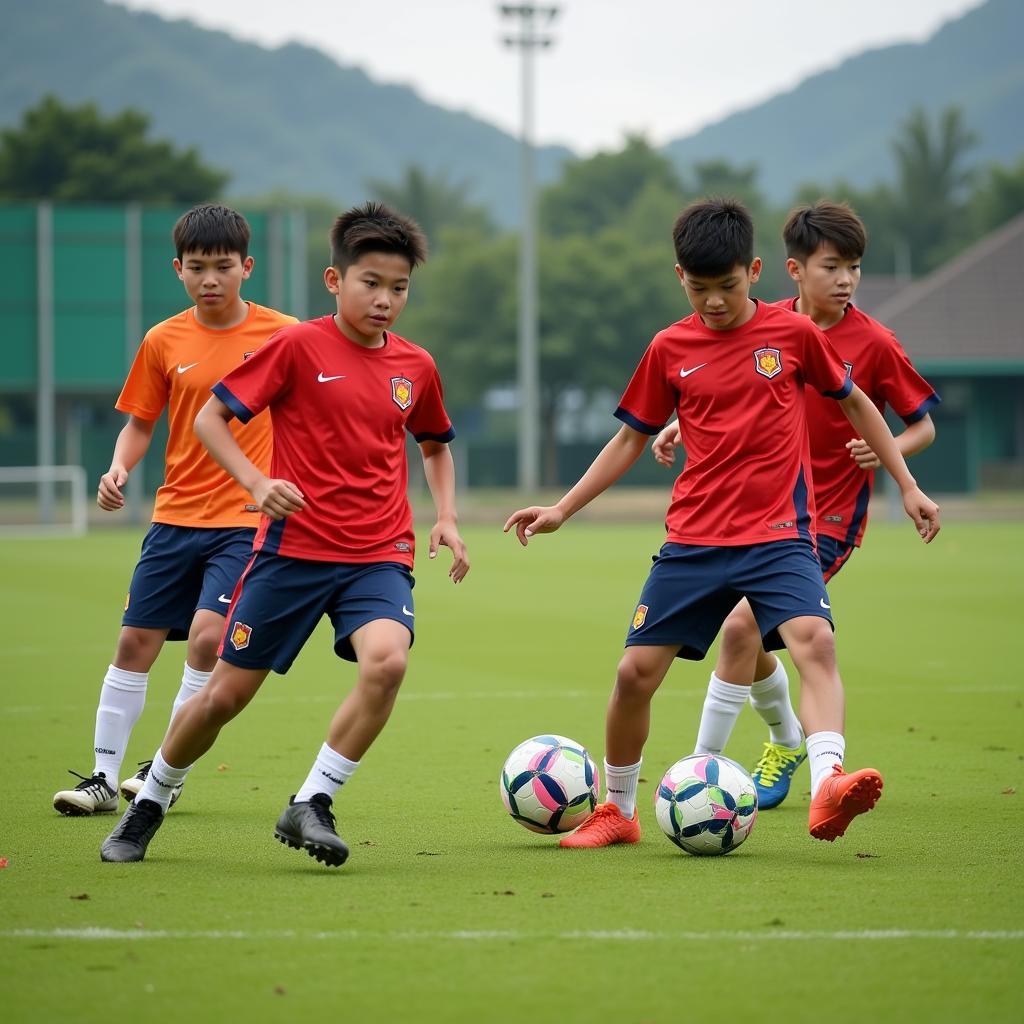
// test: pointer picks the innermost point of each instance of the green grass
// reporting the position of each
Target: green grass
(449, 911)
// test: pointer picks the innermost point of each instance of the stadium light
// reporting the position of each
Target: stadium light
(532, 18)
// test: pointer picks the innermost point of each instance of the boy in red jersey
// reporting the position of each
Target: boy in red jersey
(336, 536)
(203, 522)
(739, 524)
(824, 247)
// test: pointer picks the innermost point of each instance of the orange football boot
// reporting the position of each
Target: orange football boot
(604, 827)
(840, 798)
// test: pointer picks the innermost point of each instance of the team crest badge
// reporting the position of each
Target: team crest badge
(127, 600)
(640, 617)
(240, 634)
(768, 362)
(401, 392)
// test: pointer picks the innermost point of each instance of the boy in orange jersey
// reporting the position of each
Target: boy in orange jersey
(203, 522)
(824, 247)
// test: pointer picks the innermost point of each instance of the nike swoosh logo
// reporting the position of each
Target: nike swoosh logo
(224, 600)
(686, 373)
(405, 611)
(182, 369)
(324, 380)
(823, 603)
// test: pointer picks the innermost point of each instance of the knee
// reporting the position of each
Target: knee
(136, 650)
(740, 634)
(382, 673)
(634, 680)
(219, 704)
(817, 644)
(203, 646)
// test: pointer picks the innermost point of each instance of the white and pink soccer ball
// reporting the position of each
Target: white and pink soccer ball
(706, 805)
(549, 784)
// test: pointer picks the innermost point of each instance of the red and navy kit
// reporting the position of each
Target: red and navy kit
(340, 413)
(739, 395)
(883, 371)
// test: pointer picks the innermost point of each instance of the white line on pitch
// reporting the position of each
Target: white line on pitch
(870, 935)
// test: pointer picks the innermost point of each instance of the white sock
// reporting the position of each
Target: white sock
(824, 749)
(329, 773)
(769, 697)
(160, 781)
(722, 706)
(621, 781)
(192, 681)
(122, 697)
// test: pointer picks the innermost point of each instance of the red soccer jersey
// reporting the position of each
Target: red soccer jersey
(739, 395)
(340, 413)
(883, 371)
(176, 365)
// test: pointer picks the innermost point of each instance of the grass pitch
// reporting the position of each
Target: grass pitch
(448, 910)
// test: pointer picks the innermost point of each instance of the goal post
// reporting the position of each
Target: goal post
(43, 500)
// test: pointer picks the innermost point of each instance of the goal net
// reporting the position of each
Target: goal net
(36, 500)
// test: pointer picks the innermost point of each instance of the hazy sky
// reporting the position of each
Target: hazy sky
(662, 67)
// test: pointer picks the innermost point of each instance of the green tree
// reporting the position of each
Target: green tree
(77, 154)
(998, 198)
(435, 202)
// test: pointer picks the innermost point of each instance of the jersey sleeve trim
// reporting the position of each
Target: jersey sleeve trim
(842, 392)
(639, 425)
(923, 409)
(240, 410)
(445, 438)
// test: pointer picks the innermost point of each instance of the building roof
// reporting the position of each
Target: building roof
(967, 313)
(875, 289)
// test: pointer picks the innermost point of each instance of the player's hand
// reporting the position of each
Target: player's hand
(445, 532)
(665, 445)
(536, 519)
(109, 495)
(923, 511)
(861, 453)
(278, 498)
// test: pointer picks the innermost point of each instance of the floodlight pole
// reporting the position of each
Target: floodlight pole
(526, 40)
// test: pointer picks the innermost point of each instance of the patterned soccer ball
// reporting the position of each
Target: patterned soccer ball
(706, 805)
(549, 784)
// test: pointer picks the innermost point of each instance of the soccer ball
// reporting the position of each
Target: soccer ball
(706, 805)
(549, 784)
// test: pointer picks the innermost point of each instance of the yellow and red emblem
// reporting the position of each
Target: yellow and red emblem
(240, 634)
(768, 362)
(640, 616)
(401, 392)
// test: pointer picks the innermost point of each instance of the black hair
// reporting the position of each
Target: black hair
(211, 228)
(712, 236)
(374, 227)
(809, 227)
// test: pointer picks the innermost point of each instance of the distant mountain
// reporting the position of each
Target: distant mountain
(288, 118)
(838, 124)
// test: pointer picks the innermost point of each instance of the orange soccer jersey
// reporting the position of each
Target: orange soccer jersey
(177, 364)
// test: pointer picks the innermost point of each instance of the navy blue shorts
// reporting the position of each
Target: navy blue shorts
(280, 600)
(833, 555)
(692, 589)
(182, 569)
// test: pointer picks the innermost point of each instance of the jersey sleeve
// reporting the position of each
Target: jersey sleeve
(146, 389)
(252, 385)
(649, 399)
(907, 393)
(428, 420)
(823, 367)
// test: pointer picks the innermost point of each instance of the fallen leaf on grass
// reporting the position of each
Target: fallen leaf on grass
(427, 853)
(4, 862)
(80, 896)
(867, 856)
(222, 767)
(504, 892)
(279, 990)
(1009, 791)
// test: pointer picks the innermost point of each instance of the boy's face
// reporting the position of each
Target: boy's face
(370, 294)
(721, 302)
(827, 280)
(213, 279)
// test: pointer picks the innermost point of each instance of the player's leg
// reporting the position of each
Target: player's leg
(373, 614)
(193, 731)
(837, 797)
(122, 698)
(224, 554)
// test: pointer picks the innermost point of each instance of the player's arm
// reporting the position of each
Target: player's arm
(915, 438)
(665, 444)
(275, 498)
(439, 470)
(617, 456)
(131, 444)
(871, 426)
